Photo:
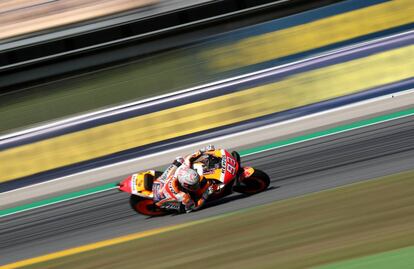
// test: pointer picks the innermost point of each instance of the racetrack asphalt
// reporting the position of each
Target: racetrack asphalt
(295, 170)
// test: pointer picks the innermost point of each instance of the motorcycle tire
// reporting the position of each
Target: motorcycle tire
(259, 181)
(145, 206)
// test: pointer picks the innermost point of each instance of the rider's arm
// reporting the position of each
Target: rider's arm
(182, 198)
(186, 201)
(188, 160)
(212, 190)
(204, 193)
(190, 204)
(202, 200)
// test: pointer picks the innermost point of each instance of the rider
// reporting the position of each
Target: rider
(172, 189)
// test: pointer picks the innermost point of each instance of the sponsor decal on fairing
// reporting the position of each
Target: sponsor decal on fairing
(134, 183)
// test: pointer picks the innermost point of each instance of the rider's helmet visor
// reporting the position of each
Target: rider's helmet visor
(192, 187)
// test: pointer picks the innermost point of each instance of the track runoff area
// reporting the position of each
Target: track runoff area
(128, 238)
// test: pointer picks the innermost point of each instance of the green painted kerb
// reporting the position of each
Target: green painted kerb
(278, 144)
(335, 130)
(400, 258)
(58, 199)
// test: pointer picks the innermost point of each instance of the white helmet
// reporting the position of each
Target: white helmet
(188, 178)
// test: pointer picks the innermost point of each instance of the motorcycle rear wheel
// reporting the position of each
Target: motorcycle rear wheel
(145, 206)
(259, 181)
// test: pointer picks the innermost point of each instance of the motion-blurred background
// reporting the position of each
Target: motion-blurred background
(90, 83)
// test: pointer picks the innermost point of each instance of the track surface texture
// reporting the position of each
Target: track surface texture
(299, 169)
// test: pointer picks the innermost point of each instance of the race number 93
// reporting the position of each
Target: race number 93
(231, 166)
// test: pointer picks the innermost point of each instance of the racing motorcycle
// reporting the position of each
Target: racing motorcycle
(221, 169)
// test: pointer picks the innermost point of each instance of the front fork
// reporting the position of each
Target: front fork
(236, 183)
(242, 172)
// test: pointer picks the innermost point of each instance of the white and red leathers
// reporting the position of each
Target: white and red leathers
(168, 192)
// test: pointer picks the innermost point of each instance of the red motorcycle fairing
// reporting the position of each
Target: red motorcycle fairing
(229, 167)
(131, 184)
(126, 185)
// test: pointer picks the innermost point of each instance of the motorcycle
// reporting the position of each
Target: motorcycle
(221, 169)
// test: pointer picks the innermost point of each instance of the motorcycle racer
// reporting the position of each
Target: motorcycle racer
(174, 187)
(219, 174)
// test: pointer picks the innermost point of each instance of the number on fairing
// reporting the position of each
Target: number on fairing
(231, 166)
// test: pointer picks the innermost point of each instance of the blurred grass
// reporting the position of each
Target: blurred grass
(400, 258)
(325, 227)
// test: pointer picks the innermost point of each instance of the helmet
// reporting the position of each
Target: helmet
(188, 178)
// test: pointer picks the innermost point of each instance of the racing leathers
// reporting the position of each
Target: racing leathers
(170, 194)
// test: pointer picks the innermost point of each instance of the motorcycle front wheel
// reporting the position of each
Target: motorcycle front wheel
(145, 206)
(259, 181)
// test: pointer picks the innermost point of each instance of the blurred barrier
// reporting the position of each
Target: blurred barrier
(248, 49)
(287, 93)
(23, 17)
(169, 24)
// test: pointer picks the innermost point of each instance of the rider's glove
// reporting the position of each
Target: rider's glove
(189, 206)
(208, 148)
